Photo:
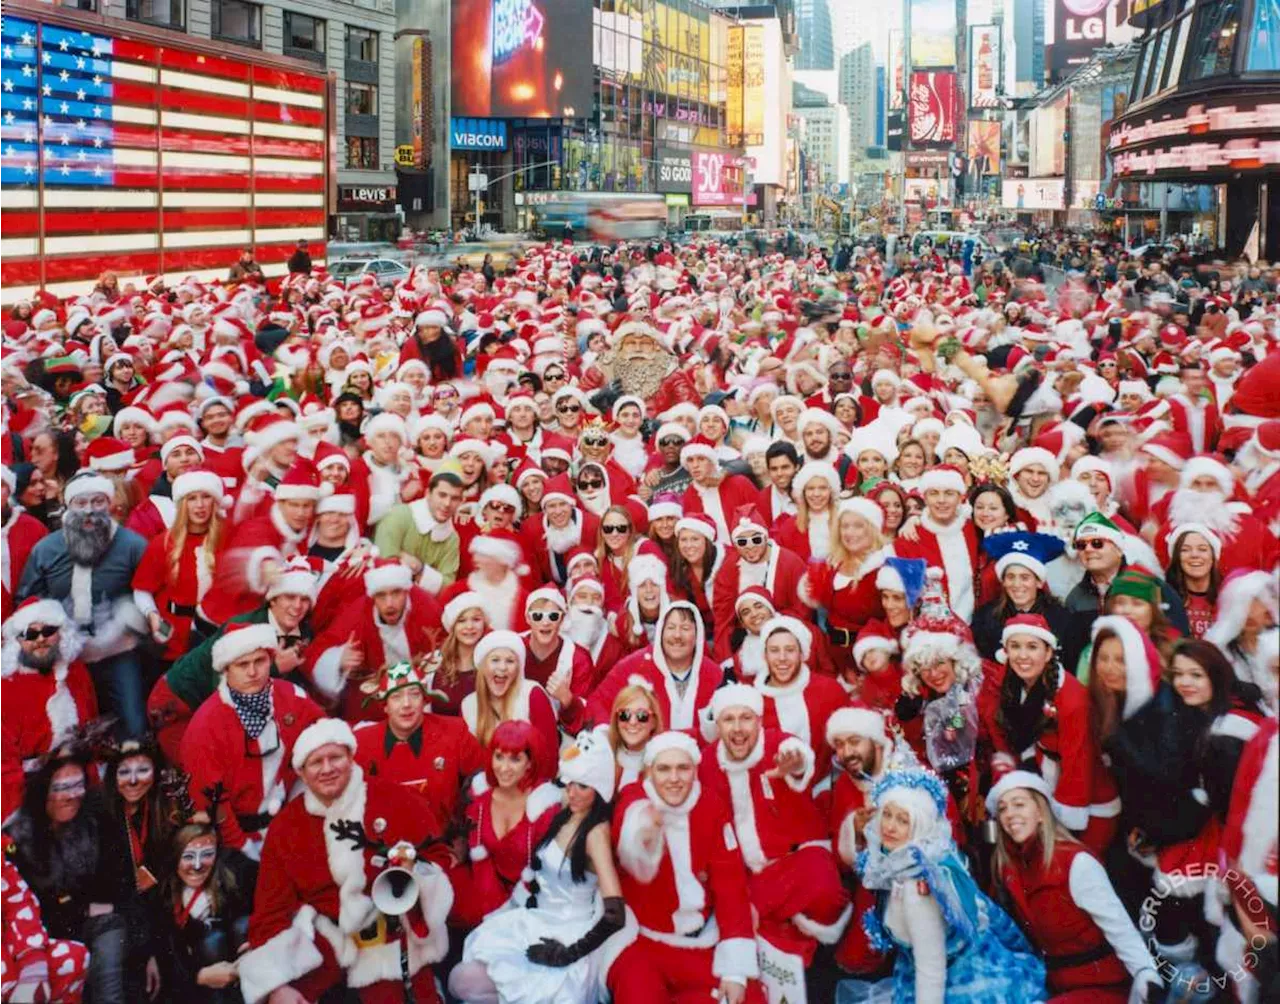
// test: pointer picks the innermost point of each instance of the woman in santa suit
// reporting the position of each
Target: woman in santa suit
(634, 719)
(1061, 896)
(619, 545)
(511, 810)
(844, 585)
(811, 532)
(176, 569)
(695, 563)
(796, 700)
(1043, 720)
(502, 693)
(754, 609)
(637, 619)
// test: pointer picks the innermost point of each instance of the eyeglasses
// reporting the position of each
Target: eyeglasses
(755, 540)
(642, 717)
(1097, 543)
(594, 441)
(671, 441)
(564, 408)
(550, 616)
(591, 483)
(47, 631)
(502, 507)
(614, 528)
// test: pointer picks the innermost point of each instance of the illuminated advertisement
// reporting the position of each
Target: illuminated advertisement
(717, 179)
(897, 70)
(753, 100)
(733, 67)
(1075, 28)
(1033, 193)
(1225, 136)
(931, 193)
(931, 111)
(521, 58)
(984, 65)
(933, 34)
(983, 148)
(677, 46)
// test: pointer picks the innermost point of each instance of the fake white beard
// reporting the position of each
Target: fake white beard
(1209, 508)
(563, 541)
(584, 626)
(595, 502)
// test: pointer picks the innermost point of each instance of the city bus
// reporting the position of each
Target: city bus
(604, 216)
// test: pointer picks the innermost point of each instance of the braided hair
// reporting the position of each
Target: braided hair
(1022, 717)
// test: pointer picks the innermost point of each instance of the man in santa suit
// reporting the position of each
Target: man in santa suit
(1193, 410)
(775, 501)
(434, 756)
(256, 546)
(221, 455)
(240, 738)
(587, 625)
(764, 775)
(755, 560)
(46, 692)
(380, 472)
(561, 667)
(561, 526)
(495, 511)
(19, 533)
(318, 916)
(682, 679)
(498, 559)
(797, 700)
(945, 538)
(683, 875)
(1261, 457)
(395, 622)
(1224, 372)
(712, 492)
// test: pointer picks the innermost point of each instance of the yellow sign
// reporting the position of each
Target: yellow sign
(753, 86)
(733, 66)
(417, 151)
(404, 155)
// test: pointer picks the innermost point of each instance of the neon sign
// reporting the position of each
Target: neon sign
(516, 24)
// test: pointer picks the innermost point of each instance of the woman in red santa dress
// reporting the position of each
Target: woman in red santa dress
(683, 876)
(1061, 896)
(619, 545)
(796, 700)
(136, 427)
(636, 623)
(1043, 721)
(176, 569)
(694, 565)
(503, 694)
(844, 585)
(452, 667)
(497, 557)
(316, 914)
(811, 532)
(511, 809)
(241, 737)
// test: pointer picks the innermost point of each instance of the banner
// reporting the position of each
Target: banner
(933, 34)
(753, 99)
(712, 185)
(675, 170)
(1033, 193)
(1074, 29)
(983, 148)
(893, 130)
(931, 119)
(984, 65)
(733, 69)
(897, 70)
(419, 46)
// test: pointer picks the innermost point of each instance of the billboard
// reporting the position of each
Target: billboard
(1075, 28)
(1206, 138)
(933, 34)
(893, 130)
(897, 70)
(733, 69)
(931, 112)
(676, 46)
(931, 193)
(984, 65)
(713, 182)
(753, 99)
(675, 170)
(521, 58)
(1033, 193)
(477, 134)
(983, 148)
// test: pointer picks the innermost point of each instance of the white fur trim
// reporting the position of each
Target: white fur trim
(735, 960)
(545, 796)
(235, 644)
(799, 782)
(385, 577)
(430, 579)
(865, 722)
(44, 611)
(935, 478)
(742, 802)
(281, 959)
(321, 733)
(640, 849)
(847, 839)
(737, 695)
(1259, 825)
(508, 552)
(826, 934)
(253, 566)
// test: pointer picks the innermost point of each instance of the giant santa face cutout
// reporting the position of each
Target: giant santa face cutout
(638, 362)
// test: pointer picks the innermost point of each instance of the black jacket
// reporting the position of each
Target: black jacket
(988, 625)
(300, 262)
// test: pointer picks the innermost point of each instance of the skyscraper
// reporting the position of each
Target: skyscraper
(858, 94)
(813, 25)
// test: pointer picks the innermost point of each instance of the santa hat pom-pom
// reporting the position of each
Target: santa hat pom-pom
(479, 852)
(526, 875)
(274, 805)
(636, 680)
(523, 571)
(326, 489)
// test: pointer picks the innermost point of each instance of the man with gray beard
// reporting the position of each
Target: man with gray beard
(88, 566)
(587, 627)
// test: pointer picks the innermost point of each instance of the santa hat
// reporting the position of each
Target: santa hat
(1030, 456)
(864, 507)
(238, 640)
(865, 722)
(1093, 465)
(324, 732)
(297, 578)
(301, 482)
(9, 479)
(1033, 625)
(1032, 551)
(106, 453)
(1206, 466)
(327, 453)
(699, 446)
(34, 610)
(666, 741)
(665, 506)
(589, 761)
(755, 593)
(386, 421)
(1266, 440)
(646, 568)
(1172, 447)
(545, 594)
(132, 414)
(747, 519)
(197, 481)
(736, 695)
(503, 545)
(456, 606)
(500, 640)
(814, 470)
(817, 416)
(559, 488)
(935, 634)
(478, 409)
(1142, 664)
(943, 477)
(874, 636)
(172, 444)
(387, 573)
(503, 494)
(585, 582)
(271, 431)
(622, 402)
(87, 484)
(1182, 529)
(1013, 780)
(791, 626)
(698, 523)
(669, 429)
(1236, 596)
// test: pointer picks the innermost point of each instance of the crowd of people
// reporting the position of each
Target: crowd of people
(657, 623)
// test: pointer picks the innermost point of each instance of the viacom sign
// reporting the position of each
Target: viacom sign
(478, 134)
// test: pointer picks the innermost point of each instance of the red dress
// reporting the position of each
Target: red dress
(849, 602)
(175, 600)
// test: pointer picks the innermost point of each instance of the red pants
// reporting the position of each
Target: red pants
(806, 881)
(649, 971)
(392, 991)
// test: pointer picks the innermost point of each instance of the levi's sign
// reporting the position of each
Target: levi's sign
(478, 134)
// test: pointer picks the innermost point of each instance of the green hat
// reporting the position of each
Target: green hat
(1138, 584)
(1097, 525)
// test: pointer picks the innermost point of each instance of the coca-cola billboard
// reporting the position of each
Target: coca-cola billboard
(931, 109)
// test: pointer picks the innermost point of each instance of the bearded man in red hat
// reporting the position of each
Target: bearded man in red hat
(500, 571)
(638, 365)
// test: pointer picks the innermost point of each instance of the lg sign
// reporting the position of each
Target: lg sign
(1077, 27)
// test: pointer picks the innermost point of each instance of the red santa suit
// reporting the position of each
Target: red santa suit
(801, 708)
(152, 516)
(33, 966)
(227, 462)
(1198, 419)
(417, 633)
(176, 601)
(238, 586)
(313, 899)
(952, 548)
(550, 548)
(18, 535)
(435, 762)
(849, 602)
(530, 704)
(774, 505)
(504, 603)
(794, 883)
(682, 874)
(571, 662)
(721, 503)
(780, 573)
(254, 773)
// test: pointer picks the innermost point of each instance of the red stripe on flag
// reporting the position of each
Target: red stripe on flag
(288, 183)
(19, 273)
(275, 111)
(177, 220)
(204, 104)
(298, 149)
(21, 223)
(199, 141)
(138, 136)
(287, 80)
(133, 51)
(195, 181)
(289, 217)
(100, 221)
(90, 266)
(198, 62)
(129, 92)
(134, 178)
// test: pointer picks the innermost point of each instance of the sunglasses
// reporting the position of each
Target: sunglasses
(641, 717)
(1097, 543)
(552, 376)
(563, 408)
(586, 486)
(48, 631)
(615, 528)
(755, 540)
(593, 441)
(671, 441)
(550, 616)
(502, 507)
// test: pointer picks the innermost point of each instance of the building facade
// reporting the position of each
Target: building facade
(858, 94)
(817, 42)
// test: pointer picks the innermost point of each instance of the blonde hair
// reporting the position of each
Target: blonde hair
(208, 551)
(491, 714)
(1052, 832)
(450, 667)
(633, 540)
(802, 511)
(838, 554)
(629, 693)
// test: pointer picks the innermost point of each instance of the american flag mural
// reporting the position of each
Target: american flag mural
(149, 158)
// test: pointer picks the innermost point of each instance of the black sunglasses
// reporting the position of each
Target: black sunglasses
(1097, 543)
(537, 616)
(642, 717)
(552, 376)
(562, 408)
(592, 483)
(614, 528)
(594, 441)
(48, 631)
(671, 441)
(753, 541)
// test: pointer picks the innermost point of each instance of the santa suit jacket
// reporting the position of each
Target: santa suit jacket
(18, 535)
(682, 714)
(435, 763)
(782, 580)
(418, 633)
(173, 600)
(734, 491)
(238, 586)
(684, 877)
(771, 816)
(571, 661)
(313, 894)
(677, 387)
(531, 704)
(1198, 419)
(255, 774)
(548, 567)
(955, 552)
(773, 505)
(504, 604)
(802, 707)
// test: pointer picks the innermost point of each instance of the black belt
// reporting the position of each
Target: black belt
(1101, 951)
(841, 637)
(181, 610)
(254, 822)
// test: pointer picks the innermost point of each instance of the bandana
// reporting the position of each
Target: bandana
(254, 710)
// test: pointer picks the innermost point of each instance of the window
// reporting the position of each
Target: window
(1183, 28)
(362, 99)
(304, 32)
(362, 45)
(362, 152)
(237, 21)
(166, 13)
(1214, 40)
(1264, 40)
